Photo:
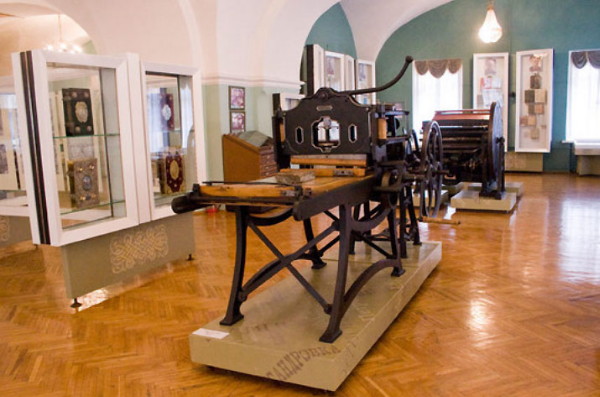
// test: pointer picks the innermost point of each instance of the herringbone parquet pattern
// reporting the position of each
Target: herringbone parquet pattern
(513, 309)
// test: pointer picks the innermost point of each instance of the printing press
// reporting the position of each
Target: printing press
(348, 161)
(474, 148)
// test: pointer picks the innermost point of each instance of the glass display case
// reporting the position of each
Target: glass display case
(13, 198)
(365, 78)
(79, 151)
(175, 152)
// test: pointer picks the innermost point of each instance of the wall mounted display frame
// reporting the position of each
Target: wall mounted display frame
(237, 98)
(313, 69)
(237, 121)
(490, 84)
(533, 126)
(174, 157)
(334, 70)
(365, 78)
(349, 73)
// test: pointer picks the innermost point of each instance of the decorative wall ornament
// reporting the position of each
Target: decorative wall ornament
(4, 228)
(437, 67)
(136, 248)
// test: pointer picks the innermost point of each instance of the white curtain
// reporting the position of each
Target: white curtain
(431, 94)
(583, 104)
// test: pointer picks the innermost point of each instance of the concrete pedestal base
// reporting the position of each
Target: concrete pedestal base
(470, 200)
(279, 336)
(510, 187)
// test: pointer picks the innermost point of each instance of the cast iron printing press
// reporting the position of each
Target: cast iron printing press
(356, 166)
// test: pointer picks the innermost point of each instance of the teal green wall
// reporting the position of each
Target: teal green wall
(450, 31)
(332, 32)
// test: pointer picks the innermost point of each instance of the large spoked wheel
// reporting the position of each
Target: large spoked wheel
(432, 162)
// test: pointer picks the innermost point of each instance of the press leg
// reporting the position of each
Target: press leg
(337, 306)
(233, 314)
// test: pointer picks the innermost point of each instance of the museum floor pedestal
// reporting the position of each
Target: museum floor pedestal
(279, 335)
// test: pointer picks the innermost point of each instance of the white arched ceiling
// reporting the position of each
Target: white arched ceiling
(374, 21)
(258, 42)
(155, 29)
(255, 42)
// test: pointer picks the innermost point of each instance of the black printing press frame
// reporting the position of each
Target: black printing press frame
(375, 167)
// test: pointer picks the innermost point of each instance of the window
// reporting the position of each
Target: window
(437, 85)
(583, 101)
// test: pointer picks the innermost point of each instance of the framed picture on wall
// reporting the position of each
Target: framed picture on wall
(533, 127)
(237, 98)
(237, 121)
(334, 70)
(490, 84)
(365, 78)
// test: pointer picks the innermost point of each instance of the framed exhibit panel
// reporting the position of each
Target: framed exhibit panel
(349, 73)
(365, 78)
(313, 69)
(75, 129)
(490, 84)
(533, 127)
(173, 134)
(334, 70)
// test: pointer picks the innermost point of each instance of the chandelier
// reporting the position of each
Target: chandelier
(61, 45)
(490, 31)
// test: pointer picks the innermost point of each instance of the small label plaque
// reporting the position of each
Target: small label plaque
(209, 333)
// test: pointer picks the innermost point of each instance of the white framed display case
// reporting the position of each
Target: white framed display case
(173, 134)
(77, 144)
(365, 78)
(533, 127)
(13, 198)
(490, 84)
(334, 70)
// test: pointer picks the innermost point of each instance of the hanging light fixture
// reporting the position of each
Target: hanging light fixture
(490, 31)
(61, 45)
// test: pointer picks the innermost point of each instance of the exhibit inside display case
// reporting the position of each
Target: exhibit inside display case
(533, 129)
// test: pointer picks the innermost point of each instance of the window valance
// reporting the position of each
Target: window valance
(581, 58)
(437, 67)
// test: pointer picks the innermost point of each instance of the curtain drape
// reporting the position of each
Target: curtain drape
(437, 67)
(581, 58)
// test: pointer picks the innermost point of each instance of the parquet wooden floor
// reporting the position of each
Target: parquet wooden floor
(513, 309)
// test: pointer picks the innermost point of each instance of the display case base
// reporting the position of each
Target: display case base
(510, 187)
(14, 229)
(279, 335)
(119, 256)
(470, 200)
